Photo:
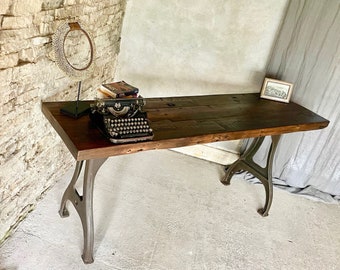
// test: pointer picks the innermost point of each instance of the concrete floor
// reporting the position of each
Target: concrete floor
(165, 210)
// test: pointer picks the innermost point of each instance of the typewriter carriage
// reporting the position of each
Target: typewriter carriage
(118, 107)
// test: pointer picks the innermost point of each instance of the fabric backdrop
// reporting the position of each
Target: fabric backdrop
(307, 54)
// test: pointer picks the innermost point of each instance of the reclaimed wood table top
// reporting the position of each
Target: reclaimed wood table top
(188, 120)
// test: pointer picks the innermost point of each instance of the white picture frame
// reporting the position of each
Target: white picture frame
(276, 90)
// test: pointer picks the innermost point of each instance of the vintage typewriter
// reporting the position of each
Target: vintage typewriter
(121, 120)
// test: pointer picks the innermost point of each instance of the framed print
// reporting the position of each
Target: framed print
(276, 90)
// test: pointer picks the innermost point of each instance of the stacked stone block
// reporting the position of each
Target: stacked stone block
(32, 157)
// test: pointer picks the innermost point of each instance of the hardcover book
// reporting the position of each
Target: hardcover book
(118, 90)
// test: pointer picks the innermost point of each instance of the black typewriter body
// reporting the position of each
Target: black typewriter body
(121, 120)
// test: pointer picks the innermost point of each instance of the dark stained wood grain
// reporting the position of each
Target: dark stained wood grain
(183, 121)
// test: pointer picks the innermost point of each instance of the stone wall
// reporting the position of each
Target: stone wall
(32, 157)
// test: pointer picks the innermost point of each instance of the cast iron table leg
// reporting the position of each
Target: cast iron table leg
(247, 163)
(83, 203)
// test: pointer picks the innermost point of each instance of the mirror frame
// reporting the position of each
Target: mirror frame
(58, 42)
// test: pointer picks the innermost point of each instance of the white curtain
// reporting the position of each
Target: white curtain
(307, 54)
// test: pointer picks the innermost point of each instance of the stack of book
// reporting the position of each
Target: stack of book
(118, 90)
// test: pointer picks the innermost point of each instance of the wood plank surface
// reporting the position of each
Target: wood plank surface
(189, 120)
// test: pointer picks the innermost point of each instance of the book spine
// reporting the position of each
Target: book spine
(106, 92)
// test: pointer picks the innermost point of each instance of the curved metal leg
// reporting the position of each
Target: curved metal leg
(246, 162)
(83, 204)
(268, 185)
(63, 212)
(85, 210)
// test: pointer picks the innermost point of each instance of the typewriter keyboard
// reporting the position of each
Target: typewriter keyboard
(128, 129)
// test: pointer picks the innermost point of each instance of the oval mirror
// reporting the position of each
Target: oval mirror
(77, 49)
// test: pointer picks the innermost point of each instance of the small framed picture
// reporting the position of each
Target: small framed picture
(276, 90)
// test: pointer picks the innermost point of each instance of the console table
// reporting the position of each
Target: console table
(177, 122)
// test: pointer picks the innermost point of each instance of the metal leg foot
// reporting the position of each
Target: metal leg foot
(262, 212)
(64, 212)
(268, 186)
(229, 172)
